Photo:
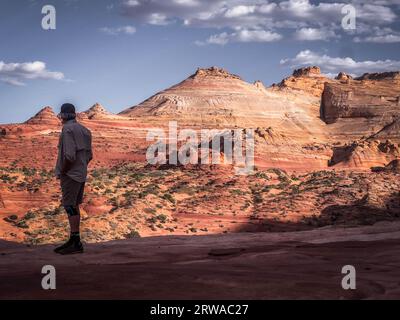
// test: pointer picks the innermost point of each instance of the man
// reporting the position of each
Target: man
(74, 155)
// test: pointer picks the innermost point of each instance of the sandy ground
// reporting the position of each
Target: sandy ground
(291, 265)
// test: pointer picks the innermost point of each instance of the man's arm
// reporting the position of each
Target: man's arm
(69, 150)
(91, 150)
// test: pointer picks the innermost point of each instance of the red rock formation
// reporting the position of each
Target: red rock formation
(364, 154)
(343, 77)
(290, 132)
(97, 111)
(373, 96)
(309, 80)
(213, 97)
(307, 72)
(392, 167)
(393, 75)
(46, 117)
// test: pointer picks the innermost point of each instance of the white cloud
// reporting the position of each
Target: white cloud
(16, 73)
(221, 39)
(158, 19)
(379, 13)
(251, 13)
(308, 15)
(389, 38)
(242, 36)
(187, 2)
(332, 65)
(257, 36)
(119, 30)
(132, 3)
(380, 35)
(313, 34)
(239, 11)
(13, 82)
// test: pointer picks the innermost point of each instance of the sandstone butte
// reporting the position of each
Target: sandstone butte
(305, 122)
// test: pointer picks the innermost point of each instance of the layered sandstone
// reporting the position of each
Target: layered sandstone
(375, 97)
(364, 154)
(309, 80)
(45, 116)
(289, 132)
(213, 97)
(392, 167)
(342, 76)
(97, 111)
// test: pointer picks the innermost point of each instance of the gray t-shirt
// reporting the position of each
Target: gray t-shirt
(74, 151)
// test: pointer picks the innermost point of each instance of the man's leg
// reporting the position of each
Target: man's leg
(73, 245)
(74, 219)
(71, 191)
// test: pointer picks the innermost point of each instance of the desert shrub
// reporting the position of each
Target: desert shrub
(261, 175)
(22, 224)
(257, 198)
(149, 189)
(169, 197)
(150, 210)
(237, 192)
(29, 215)
(162, 218)
(132, 234)
(11, 218)
(5, 178)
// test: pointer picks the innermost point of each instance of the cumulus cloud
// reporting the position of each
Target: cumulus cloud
(334, 65)
(380, 35)
(310, 18)
(16, 73)
(313, 34)
(242, 36)
(118, 30)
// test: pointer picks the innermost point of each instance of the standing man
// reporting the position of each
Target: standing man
(74, 155)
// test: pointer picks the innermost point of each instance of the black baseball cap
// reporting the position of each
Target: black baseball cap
(67, 108)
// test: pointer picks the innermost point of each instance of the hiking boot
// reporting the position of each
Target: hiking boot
(73, 247)
(65, 245)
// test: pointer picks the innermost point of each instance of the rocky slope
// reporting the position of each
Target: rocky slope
(137, 200)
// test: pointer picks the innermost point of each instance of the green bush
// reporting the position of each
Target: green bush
(169, 197)
(132, 234)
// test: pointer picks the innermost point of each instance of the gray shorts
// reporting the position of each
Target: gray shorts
(72, 191)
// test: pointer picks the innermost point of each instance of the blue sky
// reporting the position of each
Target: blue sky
(119, 53)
